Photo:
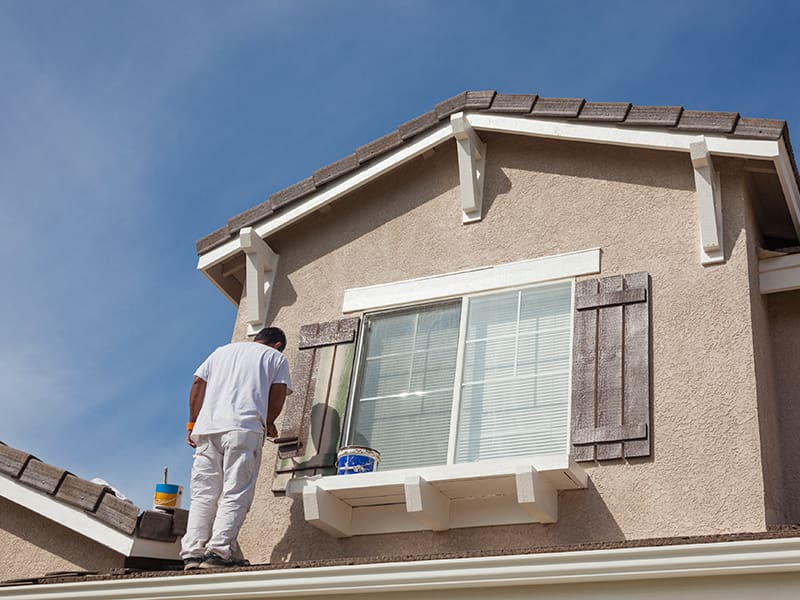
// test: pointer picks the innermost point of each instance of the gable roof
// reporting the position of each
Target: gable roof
(531, 106)
(88, 508)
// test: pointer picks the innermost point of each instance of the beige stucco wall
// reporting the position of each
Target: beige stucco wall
(31, 545)
(784, 321)
(543, 198)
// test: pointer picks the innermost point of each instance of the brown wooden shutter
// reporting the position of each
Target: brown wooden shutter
(611, 368)
(314, 412)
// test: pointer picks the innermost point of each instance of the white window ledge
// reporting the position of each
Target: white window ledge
(496, 492)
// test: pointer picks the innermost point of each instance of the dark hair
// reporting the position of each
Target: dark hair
(270, 335)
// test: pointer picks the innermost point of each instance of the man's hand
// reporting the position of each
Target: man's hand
(272, 431)
(189, 439)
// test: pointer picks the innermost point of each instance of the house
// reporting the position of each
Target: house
(568, 327)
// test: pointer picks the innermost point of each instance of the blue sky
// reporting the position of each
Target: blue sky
(128, 130)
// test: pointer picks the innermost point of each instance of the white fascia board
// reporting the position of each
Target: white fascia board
(779, 274)
(752, 557)
(484, 279)
(65, 515)
(622, 136)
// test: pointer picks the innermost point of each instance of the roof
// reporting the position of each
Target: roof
(91, 509)
(94, 499)
(669, 118)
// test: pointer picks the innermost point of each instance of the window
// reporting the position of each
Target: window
(474, 378)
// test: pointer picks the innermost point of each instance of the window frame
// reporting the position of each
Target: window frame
(455, 405)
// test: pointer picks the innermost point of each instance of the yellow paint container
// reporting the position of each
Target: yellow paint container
(167, 496)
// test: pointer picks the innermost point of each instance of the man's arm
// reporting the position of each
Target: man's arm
(196, 396)
(277, 397)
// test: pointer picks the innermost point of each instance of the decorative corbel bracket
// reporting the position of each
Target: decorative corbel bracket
(709, 205)
(471, 165)
(260, 265)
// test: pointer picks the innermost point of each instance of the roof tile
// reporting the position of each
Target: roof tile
(213, 239)
(80, 492)
(116, 513)
(661, 116)
(480, 100)
(248, 217)
(418, 125)
(451, 105)
(605, 111)
(12, 461)
(377, 147)
(707, 121)
(293, 192)
(770, 129)
(513, 103)
(45, 478)
(335, 169)
(557, 107)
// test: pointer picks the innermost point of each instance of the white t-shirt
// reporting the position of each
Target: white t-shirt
(238, 377)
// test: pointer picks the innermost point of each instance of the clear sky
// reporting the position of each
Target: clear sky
(128, 130)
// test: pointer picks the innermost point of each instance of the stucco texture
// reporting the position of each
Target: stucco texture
(33, 545)
(545, 197)
(784, 321)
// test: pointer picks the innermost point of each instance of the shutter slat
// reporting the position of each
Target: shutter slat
(609, 371)
(637, 365)
(584, 370)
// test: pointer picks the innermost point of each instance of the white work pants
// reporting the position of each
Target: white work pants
(223, 483)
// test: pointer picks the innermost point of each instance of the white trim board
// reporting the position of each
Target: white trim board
(437, 287)
(491, 574)
(69, 517)
(779, 273)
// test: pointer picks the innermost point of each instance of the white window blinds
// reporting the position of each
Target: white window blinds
(513, 356)
(515, 383)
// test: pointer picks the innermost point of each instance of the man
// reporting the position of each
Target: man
(237, 392)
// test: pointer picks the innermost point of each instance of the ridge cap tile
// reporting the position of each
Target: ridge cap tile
(418, 124)
(293, 192)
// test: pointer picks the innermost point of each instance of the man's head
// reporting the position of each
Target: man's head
(272, 337)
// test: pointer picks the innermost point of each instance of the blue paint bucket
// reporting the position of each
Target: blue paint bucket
(167, 496)
(357, 459)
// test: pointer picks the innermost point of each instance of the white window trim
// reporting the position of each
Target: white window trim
(472, 281)
(454, 495)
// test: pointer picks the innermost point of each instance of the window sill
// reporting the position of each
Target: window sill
(496, 492)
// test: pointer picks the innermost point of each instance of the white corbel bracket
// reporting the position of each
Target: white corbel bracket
(260, 265)
(709, 205)
(471, 165)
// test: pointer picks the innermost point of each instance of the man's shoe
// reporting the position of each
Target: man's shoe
(190, 564)
(213, 561)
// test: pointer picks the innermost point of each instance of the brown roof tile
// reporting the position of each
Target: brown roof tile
(12, 461)
(41, 476)
(377, 147)
(465, 101)
(116, 513)
(335, 169)
(661, 116)
(81, 493)
(512, 103)
(769, 129)
(248, 217)
(604, 111)
(291, 193)
(709, 122)
(557, 107)
(421, 123)
(213, 239)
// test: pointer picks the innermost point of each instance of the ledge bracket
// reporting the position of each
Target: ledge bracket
(709, 205)
(260, 265)
(471, 167)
